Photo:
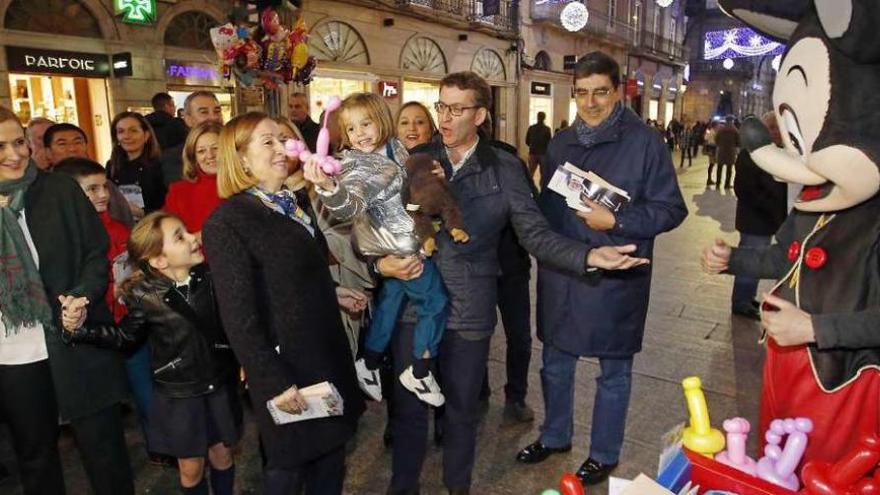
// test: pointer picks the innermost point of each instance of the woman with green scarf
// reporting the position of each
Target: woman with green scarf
(53, 250)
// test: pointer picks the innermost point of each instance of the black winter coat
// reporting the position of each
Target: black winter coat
(72, 246)
(189, 353)
(278, 305)
(145, 173)
(761, 200)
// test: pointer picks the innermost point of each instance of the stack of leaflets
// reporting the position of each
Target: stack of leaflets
(323, 401)
(576, 186)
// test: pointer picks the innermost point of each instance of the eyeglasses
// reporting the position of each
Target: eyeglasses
(454, 110)
(598, 92)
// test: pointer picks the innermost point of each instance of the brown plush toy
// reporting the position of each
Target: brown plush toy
(427, 197)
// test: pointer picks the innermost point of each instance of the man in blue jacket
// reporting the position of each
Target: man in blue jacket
(492, 191)
(601, 317)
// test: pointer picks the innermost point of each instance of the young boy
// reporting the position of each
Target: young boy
(93, 180)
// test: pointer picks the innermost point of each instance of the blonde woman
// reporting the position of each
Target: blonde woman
(195, 197)
(279, 307)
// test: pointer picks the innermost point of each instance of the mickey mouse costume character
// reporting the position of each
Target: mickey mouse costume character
(823, 316)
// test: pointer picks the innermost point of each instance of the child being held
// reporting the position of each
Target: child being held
(195, 413)
(369, 190)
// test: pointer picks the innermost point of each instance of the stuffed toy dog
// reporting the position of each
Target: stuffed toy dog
(427, 198)
(823, 316)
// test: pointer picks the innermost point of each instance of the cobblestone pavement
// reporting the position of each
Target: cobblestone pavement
(689, 332)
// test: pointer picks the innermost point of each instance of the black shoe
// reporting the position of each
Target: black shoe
(750, 312)
(538, 452)
(518, 412)
(593, 472)
(709, 183)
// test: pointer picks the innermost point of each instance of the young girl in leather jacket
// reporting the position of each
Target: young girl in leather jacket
(195, 410)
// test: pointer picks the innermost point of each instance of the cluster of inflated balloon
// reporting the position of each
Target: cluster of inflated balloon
(298, 149)
(268, 55)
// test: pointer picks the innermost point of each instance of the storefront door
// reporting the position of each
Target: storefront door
(322, 89)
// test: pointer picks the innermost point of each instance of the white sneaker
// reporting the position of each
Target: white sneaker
(369, 380)
(426, 389)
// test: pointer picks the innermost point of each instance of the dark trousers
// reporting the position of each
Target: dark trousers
(515, 308)
(322, 476)
(100, 438)
(535, 161)
(686, 150)
(721, 166)
(28, 407)
(460, 361)
(428, 296)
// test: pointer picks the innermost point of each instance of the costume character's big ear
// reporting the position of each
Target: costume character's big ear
(851, 27)
(775, 18)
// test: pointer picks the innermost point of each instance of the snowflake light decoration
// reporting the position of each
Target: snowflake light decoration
(728, 63)
(574, 16)
(738, 43)
(664, 3)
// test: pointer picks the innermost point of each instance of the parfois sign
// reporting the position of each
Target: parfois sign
(32, 60)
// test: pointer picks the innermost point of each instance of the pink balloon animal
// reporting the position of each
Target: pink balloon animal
(778, 464)
(735, 456)
(329, 165)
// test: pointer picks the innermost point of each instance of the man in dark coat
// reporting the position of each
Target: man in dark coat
(299, 114)
(491, 191)
(170, 131)
(727, 142)
(199, 106)
(537, 138)
(602, 317)
(760, 210)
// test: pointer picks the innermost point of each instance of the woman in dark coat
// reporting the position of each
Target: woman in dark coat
(279, 307)
(134, 163)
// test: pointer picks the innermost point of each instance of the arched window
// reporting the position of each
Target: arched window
(542, 61)
(65, 17)
(338, 42)
(190, 30)
(423, 55)
(489, 65)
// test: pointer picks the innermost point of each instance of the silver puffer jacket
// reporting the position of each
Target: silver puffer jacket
(369, 188)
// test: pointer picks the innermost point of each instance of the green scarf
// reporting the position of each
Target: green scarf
(22, 297)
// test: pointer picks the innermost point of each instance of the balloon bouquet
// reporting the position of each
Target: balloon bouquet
(267, 55)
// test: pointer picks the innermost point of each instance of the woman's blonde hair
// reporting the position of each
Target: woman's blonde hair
(289, 126)
(376, 109)
(145, 243)
(234, 138)
(190, 163)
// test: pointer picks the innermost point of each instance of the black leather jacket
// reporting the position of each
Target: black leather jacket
(189, 353)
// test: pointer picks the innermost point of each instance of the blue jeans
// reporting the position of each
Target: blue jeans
(140, 379)
(745, 288)
(428, 296)
(609, 412)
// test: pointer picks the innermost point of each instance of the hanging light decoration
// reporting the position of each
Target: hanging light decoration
(728, 63)
(574, 16)
(664, 3)
(737, 43)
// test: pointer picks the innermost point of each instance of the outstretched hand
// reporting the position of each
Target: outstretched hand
(313, 173)
(615, 258)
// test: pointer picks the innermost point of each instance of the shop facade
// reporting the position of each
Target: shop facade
(79, 84)
(403, 54)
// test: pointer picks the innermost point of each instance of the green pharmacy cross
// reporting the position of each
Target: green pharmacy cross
(136, 11)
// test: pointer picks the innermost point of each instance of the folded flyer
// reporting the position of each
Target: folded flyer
(323, 401)
(575, 186)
